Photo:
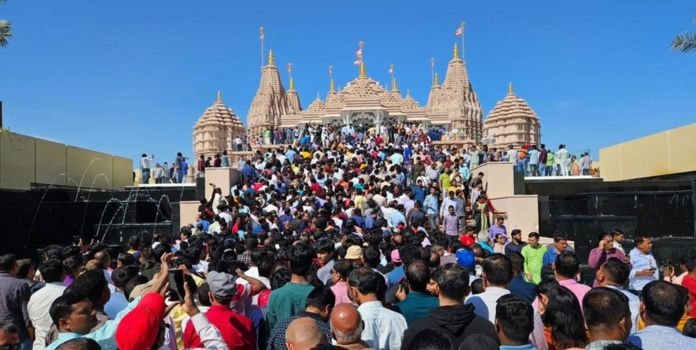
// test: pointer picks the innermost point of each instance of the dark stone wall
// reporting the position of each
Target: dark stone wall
(34, 219)
(663, 209)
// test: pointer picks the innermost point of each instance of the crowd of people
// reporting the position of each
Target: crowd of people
(163, 173)
(367, 242)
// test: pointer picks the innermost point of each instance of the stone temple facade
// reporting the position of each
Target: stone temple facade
(512, 122)
(216, 130)
(452, 105)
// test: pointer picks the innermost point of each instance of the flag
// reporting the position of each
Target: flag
(357, 62)
(391, 70)
(289, 67)
(261, 35)
(459, 31)
(359, 52)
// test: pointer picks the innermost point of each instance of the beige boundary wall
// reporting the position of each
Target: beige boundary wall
(521, 211)
(668, 152)
(25, 160)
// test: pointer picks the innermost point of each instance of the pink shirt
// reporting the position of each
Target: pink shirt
(340, 290)
(578, 289)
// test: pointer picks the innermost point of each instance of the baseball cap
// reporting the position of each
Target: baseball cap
(466, 258)
(221, 284)
(395, 256)
(139, 328)
(467, 241)
(353, 252)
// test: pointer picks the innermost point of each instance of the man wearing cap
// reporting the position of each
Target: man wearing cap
(74, 316)
(236, 329)
(398, 273)
(143, 327)
(354, 254)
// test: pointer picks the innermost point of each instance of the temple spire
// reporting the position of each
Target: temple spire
(436, 80)
(455, 54)
(271, 59)
(363, 73)
(219, 97)
(510, 88)
(292, 84)
(395, 87)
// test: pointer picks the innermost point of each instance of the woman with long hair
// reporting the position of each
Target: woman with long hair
(562, 316)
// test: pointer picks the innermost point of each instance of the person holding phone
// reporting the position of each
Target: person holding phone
(643, 265)
(603, 252)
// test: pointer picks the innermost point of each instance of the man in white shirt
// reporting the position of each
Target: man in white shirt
(497, 273)
(40, 302)
(643, 265)
(384, 328)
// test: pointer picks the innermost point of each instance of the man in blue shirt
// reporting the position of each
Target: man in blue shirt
(286, 217)
(432, 207)
(397, 216)
(248, 172)
(643, 265)
(418, 192)
(560, 244)
(518, 286)
(663, 307)
(357, 218)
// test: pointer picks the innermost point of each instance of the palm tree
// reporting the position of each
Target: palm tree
(5, 31)
(685, 42)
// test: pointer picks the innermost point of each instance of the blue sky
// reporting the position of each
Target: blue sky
(129, 77)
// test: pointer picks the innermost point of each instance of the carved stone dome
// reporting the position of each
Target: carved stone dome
(216, 129)
(512, 121)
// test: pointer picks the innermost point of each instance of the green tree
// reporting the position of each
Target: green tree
(685, 42)
(5, 31)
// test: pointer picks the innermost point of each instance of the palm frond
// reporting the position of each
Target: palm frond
(5, 32)
(685, 42)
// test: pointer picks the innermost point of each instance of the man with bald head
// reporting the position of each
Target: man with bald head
(304, 334)
(347, 326)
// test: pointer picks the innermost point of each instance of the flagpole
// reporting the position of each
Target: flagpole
(289, 68)
(261, 37)
(391, 75)
(331, 82)
(463, 27)
(432, 69)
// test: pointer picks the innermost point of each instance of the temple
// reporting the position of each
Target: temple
(452, 107)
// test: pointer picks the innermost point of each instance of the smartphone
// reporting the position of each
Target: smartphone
(176, 285)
